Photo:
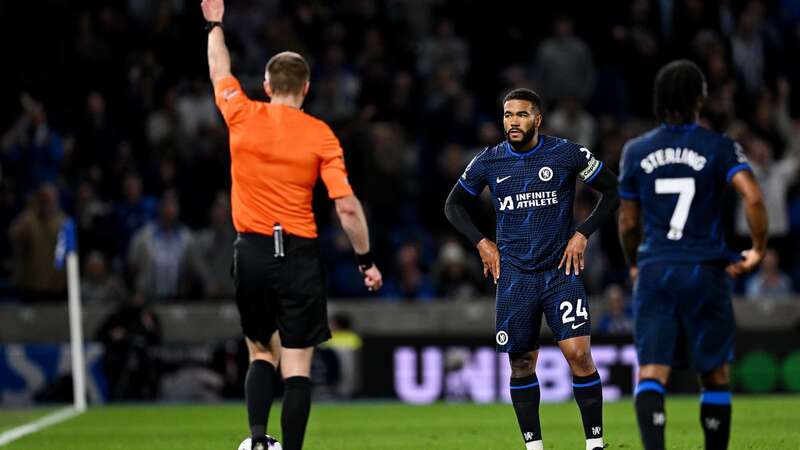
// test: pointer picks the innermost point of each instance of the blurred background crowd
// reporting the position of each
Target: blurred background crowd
(109, 118)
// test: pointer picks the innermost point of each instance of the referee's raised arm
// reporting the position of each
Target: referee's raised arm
(219, 60)
(278, 152)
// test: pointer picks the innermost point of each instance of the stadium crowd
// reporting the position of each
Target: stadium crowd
(126, 139)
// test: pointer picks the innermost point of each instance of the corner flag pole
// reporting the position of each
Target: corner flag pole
(66, 251)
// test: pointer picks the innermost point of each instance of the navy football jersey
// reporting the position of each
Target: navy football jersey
(678, 174)
(532, 194)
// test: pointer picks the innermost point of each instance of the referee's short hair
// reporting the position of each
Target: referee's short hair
(527, 95)
(287, 73)
(677, 87)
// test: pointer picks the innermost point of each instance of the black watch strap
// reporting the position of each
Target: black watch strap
(210, 26)
(364, 261)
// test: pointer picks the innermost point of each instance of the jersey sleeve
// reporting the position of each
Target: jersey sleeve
(473, 180)
(332, 168)
(732, 159)
(628, 185)
(586, 165)
(231, 100)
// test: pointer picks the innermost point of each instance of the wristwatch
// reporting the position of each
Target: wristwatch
(210, 26)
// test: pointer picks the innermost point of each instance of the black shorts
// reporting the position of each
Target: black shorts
(287, 294)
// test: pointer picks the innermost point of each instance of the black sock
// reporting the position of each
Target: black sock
(296, 407)
(258, 392)
(715, 416)
(650, 413)
(525, 398)
(588, 393)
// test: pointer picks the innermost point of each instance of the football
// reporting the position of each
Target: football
(272, 444)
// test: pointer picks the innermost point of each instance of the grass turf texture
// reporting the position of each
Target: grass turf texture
(759, 423)
(13, 418)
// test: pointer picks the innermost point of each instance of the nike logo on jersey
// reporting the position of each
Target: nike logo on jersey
(575, 327)
(500, 180)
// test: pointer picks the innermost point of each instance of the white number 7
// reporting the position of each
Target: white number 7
(684, 187)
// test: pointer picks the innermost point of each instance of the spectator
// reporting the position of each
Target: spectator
(617, 320)
(340, 88)
(98, 285)
(164, 125)
(770, 281)
(444, 48)
(775, 178)
(563, 65)
(196, 109)
(35, 149)
(160, 256)
(135, 209)
(411, 281)
(594, 257)
(33, 235)
(406, 88)
(455, 273)
(572, 122)
(98, 135)
(214, 248)
(95, 222)
(749, 48)
(346, 345)
(129, 336)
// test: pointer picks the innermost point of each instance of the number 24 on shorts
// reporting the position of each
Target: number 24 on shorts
(580, 311)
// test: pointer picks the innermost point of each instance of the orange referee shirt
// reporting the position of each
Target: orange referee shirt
(277, 154)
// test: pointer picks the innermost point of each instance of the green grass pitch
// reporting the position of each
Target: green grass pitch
(768, 423)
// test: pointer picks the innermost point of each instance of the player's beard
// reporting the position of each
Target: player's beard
(526, 138)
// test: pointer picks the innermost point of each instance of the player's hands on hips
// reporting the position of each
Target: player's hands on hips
(752, 258)
(213, 10)
(490, 257)
(573, 254)
(373, 279)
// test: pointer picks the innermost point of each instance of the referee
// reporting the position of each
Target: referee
(277, 154)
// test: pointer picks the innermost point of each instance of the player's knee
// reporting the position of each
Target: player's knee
(580, 360)
(716, 377)
(654, 372)
(522, 365)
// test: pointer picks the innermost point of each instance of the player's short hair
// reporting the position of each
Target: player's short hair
(287, 73)
(527, 95)
(677, 87)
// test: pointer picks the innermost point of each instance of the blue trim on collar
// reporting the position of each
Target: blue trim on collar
(510, 149)
(679, 128)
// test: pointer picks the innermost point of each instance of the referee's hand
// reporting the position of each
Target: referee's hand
(373, 279)
(490, 257)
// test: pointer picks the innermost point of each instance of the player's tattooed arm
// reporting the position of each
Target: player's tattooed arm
(630, 231)
(219, 60)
